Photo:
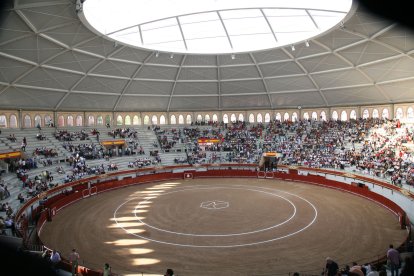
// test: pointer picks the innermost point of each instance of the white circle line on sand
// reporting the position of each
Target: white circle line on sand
(226, 246)
(220, 235)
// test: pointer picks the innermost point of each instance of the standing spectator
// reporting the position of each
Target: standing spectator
(393, 260)
(107, 270)
(55, 259)
(331, 268)
(74, 261)
(169, 272)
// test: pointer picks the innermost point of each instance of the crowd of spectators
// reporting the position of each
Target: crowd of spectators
(377, 147)
(64, 135)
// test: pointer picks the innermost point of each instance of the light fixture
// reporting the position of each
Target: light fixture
(157, 54)
(233, 56)
(171, 55)
(307, 43)
(293, 48)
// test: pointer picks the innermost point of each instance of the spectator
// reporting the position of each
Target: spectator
(55, 259)
(331, 267)
(393, 260)
(74, 261)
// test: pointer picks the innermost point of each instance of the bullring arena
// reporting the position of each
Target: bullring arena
(248, 227)
(224, 226)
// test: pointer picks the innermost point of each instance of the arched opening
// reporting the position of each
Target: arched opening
(127, 120)
(162, 120)
(335, 115)
(79, 121)
(99, 120)
(61, 121)
(278, 117)
(91, 120)
(344, 115)
(154, 120)
(267, 118)
(294, 117)
(410, 113)
(48, 120)
(225, 119)
(199, 118)
(375, 113)
(286, 117)
(70, 121)
(207, 118)
(323, 116)
(38, 121)
(306, 116)
(136, 120)
(108, 120)
(215, 118)
(259, 118)
(385, 113)
(365, 114)
(181, 119)
(233, 118)
(314, 116)
(3, 121)
(146, 120)
(353, 115)
(173, 120)
(27, 121)
(119, 120)
(189, 119)
(251, 118)
(399, 113)
(13, 121)
(241, 117)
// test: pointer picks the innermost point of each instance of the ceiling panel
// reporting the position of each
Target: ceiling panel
(75, 61)
(78, 101)
(10, 69)
(341, 78)
(312, 98)
(354, 96)
(390, 70)
(339, 38)
(149, 87)
(115, 68)
(100, 84)
(290, 84)
(202, 103)
(157, 72)
(280, 69)
(16, 97)
(41, 77)
(200, 60)
(270, 55)
(249, 101)
(323, 63)
(367, 52)
(239, 72)
(143, 103)
(236, 87)
(196, 88)
(399, 38)
(402, 91)
(194, 73)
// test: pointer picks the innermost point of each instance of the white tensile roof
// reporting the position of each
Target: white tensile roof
(50, 60)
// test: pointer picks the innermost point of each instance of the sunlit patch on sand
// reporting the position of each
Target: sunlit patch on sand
(145, 261)
(152, 192)
(139, 251)
(126, 224)
(126, 242)
(136, 231)
(150, 197)
(142, 206)
(123, 219)
(139, 211)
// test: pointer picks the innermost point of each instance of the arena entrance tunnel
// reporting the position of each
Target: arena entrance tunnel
(393, 199)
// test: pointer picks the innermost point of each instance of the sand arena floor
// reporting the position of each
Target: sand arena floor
(223, 227)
